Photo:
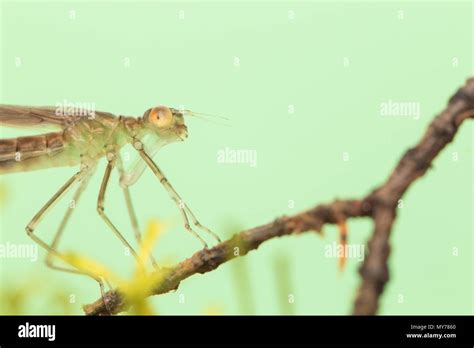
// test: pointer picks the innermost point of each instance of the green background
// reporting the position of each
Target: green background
(283, 62)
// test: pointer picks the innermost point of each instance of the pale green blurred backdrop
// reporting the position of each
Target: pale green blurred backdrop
(332, 64)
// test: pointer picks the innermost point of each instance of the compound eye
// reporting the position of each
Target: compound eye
(161, 116)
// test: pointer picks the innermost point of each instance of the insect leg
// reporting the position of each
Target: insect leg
(49, 257)
(30, 228)
(40, 214)
(131, 210)
(196, 222)
(184, 209)
(100, 204)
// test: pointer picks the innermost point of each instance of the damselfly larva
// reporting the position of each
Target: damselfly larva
(83, 141)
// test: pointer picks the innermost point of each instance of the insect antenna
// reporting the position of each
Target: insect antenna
(205, 117)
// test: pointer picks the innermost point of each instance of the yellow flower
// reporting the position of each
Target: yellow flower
(214, 310)
(3, 192)
(137, 289)
(89, 266)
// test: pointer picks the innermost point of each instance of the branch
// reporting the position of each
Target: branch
(240, 244)
(380, 205)
(413, 164)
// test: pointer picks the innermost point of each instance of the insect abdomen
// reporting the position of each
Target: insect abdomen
(32, 153)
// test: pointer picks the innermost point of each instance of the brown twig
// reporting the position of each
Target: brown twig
(380, 205)
(413, 164)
